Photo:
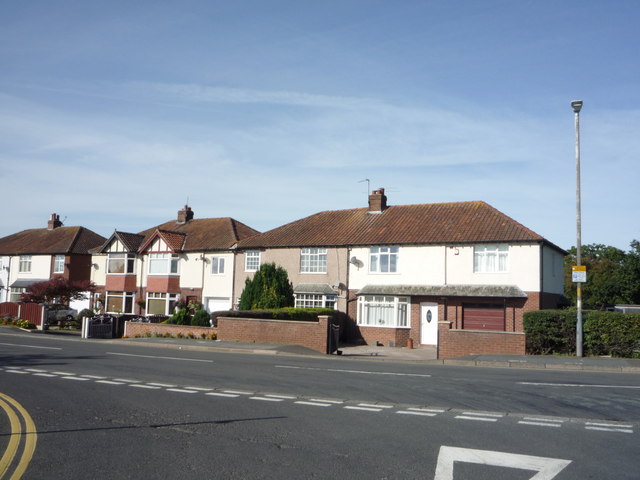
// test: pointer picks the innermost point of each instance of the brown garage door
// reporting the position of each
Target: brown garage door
(483, 317)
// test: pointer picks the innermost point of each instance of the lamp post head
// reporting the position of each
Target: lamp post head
(576, 105)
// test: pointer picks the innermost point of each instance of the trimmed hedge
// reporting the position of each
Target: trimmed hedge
(604, 333)
(287, 313)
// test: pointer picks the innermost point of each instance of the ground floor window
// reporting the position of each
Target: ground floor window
(383, 311)
(160, 303)
(16, 294)
(120, 302)
(315, 300)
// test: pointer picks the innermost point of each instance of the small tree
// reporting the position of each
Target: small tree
(57, 290)
(269, 288)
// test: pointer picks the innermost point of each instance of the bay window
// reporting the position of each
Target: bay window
(383, 311)
(315, 300)
(159, 303)
(119, 302)
(121, 263)
(163, 264)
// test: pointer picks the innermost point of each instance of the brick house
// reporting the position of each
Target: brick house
(40, 254)
(183, 259)
(458, 276)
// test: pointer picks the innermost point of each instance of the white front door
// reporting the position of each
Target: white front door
(428, 323)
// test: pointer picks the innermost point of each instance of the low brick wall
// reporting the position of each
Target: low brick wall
(133, 329)
(312, 334)
(458, 343)
(394, 337)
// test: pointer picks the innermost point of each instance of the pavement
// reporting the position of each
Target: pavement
(423, 355)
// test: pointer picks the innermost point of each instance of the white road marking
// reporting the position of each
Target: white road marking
(200, 389)
(163, 385)
(238, 392)
(577, 385)
(373, 405)
(180, 390)
(76, 378)
(149, 387)
(35, 370)
(365, 372)
(218, 394)
(126, 380)
(283, 397)
(66, 373)
(30, 346)
(315, 404)
(539, 424)
(95, 377)
(422, 414)
(604, 429)
(44, 375)
(366, 409)
(266, 399)
(109, 382)
(479, 419)
(334, 402)
(609, 427)
(430, 410)
(159, 357)
(480, 414)
(18, 371)
(547, 468)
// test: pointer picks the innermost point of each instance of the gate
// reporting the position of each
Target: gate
(100, 326)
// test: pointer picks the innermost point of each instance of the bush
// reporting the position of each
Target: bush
(201, 319)
(604, 333)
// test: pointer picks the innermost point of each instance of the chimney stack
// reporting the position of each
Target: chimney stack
(185, 214)
(377, 201)
(54, 222)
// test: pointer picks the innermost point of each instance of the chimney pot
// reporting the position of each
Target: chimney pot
(54, 222)
(377, 201)
(185, 214)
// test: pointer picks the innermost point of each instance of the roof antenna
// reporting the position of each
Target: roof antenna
(368, 185)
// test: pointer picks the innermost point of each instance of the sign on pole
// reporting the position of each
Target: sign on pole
(579, 274)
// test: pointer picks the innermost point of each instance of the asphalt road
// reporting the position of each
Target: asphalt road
(107, 410)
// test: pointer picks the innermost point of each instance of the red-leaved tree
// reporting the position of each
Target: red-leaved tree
(58, 290)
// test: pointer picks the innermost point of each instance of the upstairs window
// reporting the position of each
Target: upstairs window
(252, 261)
(58, 264)
(121, 263)
(313, 260)
(490, 258)
(383, 259)
(163, 264)
(25, 264)
(217, 265)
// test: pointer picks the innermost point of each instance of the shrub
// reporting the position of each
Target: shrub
(604, 333)
(201, 319)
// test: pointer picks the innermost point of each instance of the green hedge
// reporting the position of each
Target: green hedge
(604, 333)
(287, 313)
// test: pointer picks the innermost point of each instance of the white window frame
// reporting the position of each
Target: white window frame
(58, 264)
(384, 259)
(169, 299)
(384, 311)
(252, 260)
(164, 264)
(217, 265)
(129, 260)
(315, 300)
(124, 296)
(15, 293)
(313, 260)
(25, 264)
(491, 258)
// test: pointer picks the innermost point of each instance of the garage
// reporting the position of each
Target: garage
(483, 316)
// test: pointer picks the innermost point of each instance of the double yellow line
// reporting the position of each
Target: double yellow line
(10, 406)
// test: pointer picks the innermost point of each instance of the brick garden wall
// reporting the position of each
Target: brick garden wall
(133, 329)
(459, 343)
(313, 334)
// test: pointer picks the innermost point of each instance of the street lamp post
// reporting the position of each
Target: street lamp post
(577, 106)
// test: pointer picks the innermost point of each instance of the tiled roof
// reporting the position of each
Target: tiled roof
(437, 223)
(202, 234)
(131, 241)
(58, 241)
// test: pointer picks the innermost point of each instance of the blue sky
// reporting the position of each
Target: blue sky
(114, 113)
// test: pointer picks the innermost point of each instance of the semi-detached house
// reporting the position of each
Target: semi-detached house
(186, 259)
(40, 254)
(455, 275)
